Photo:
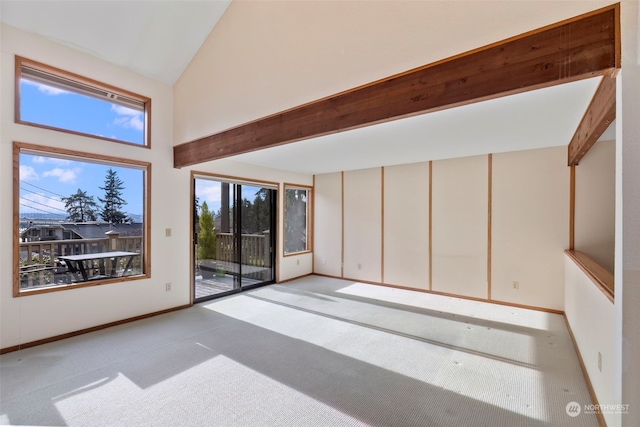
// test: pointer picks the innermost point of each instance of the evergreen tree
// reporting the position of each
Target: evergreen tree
(196, 209)
(295, 221)
(256, 216)
(248, 217)
(80, 206)
(206, 235)
(113, 201)
(262, 211)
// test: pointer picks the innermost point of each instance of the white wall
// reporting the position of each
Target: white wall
(595, 204)
(36, 317)
(530, 223)
(327, 233)
(459, 222)
(406, 225)
(530, 226)
(627, 256)
(591, 317)
(30, 318)
(363, 225)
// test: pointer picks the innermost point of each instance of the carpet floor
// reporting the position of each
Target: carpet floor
(312, 352)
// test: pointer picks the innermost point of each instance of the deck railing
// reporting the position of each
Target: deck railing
(255, 249)
(39, 264)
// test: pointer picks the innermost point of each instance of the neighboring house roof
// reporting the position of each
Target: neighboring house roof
(94, 230)
(97, 230)
(28, 231)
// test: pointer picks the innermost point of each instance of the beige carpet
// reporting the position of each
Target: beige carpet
(314, 352)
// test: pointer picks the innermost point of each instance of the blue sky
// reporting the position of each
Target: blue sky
(58, 108)
(210, 191)
(44, 180)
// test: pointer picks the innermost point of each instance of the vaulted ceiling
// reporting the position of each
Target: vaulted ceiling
(159, 38)
(153, 38)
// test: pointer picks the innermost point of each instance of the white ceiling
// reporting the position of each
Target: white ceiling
(159, 38)
(155, 38)
(535, 119)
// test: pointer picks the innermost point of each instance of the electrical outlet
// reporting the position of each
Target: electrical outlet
(516, 285)
(324, 261)
(297, 262)
(168, 286)
(600, 361)
(359, 266)
(167, 232)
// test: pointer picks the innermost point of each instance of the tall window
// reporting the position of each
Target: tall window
(55, 99)
(296, 219)
(82, 219)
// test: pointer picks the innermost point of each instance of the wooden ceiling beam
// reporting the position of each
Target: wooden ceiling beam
(599, 115)
(582, 47)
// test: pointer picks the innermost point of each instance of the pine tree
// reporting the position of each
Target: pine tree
(206, 235)
(112, 202)
(80, 206)
(262, 211)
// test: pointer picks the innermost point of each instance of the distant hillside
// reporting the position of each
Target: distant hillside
(42, 215)
(50, 217)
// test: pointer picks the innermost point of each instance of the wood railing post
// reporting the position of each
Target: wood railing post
(113, 240)
(35, 252)
(266, 253)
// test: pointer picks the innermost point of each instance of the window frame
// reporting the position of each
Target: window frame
(309, 190)
(20, 148)
(85, 81)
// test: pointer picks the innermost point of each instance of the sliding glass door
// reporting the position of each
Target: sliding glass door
(256, 237)
(234, 236)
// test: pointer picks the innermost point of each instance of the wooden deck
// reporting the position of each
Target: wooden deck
(208, 286)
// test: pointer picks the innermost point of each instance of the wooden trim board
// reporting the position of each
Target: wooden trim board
(382, 224)
(572, 207)
(509, 304)
(87, 330)
(342, 225)
(598, 274)
(430, 225)
(489, 208)
(585, 374)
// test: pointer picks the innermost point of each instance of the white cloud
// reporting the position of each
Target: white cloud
(128, 117)
(56, 161)
(137, 123)
(63, 175)
(47, 90)
(209, 192)
(28, 173)
(124, 111)
(130, 122)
